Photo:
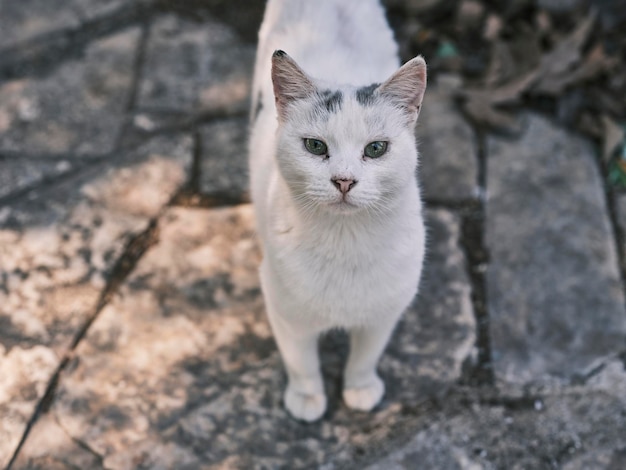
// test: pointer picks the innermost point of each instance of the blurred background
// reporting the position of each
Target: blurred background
(132, 327)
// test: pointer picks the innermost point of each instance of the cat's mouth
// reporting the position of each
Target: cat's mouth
(343, 206)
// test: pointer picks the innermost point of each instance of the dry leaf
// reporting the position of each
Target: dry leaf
(556, 70)
(589, 124)
(558, 64)
(614, 135)
(501, 65)
(479, 105)
(469, 15)
(493, 27)
(481, 112)
(513, 58)
(595, 63)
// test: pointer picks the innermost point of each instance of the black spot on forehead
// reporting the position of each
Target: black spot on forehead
(365, 95)
(331, 100)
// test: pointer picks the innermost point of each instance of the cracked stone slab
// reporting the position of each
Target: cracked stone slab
(180, 370)
(194, 67)
(72, 453)
(224, 159)
(573, 429)
(91, 9)
(19, 173)
(24, 20)
(21, 20)
(448, 149)
(78, 109)
(554, 293)
(58, 247)
(438, 332)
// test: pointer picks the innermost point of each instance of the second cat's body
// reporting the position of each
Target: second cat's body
(333, 161)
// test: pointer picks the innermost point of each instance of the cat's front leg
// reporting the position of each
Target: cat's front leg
(363, 388)
(304, 396)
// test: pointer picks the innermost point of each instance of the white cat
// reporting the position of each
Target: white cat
(333, 161)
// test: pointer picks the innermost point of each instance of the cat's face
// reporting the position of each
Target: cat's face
(346, 155)
(346, 150)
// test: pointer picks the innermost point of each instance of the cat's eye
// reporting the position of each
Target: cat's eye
(315, 146)
(375, 149)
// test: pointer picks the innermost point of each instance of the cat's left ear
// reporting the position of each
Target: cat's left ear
(406, 87)
(290, 82)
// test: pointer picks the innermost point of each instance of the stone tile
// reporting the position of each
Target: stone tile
(193, 307)
(90, 9)
(224, 164)
(21, 20)
(18, 173)
(24, 374)
(57, 248)
(25, 20)
(448, 149)
(438, 332)
(604, 459)
(572, 430)
(55, 449)
(192, 67)
(78, 109)
(554, 293)
(428, 450)
(180, 370)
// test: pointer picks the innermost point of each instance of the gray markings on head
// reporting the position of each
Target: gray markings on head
(331, 100)
(365, 95)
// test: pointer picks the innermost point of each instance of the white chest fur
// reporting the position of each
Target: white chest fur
(342, 271)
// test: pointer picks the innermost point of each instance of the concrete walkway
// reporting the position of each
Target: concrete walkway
(132, 328)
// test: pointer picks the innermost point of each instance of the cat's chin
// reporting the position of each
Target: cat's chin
(343, 207)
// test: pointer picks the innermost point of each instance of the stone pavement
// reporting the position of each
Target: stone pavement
(132, 329)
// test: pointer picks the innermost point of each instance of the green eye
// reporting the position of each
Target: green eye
(375, 149)
(316, 147)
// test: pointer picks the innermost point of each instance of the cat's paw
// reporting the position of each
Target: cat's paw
(364, 398)
(305, 406)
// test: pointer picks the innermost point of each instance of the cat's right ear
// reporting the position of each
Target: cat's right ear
(290, 82)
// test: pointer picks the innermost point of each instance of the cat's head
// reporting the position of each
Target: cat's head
(345, 148)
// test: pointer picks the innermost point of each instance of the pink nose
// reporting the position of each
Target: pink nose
(343, 185)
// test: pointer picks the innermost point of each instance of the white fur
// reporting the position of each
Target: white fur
(327, 263)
